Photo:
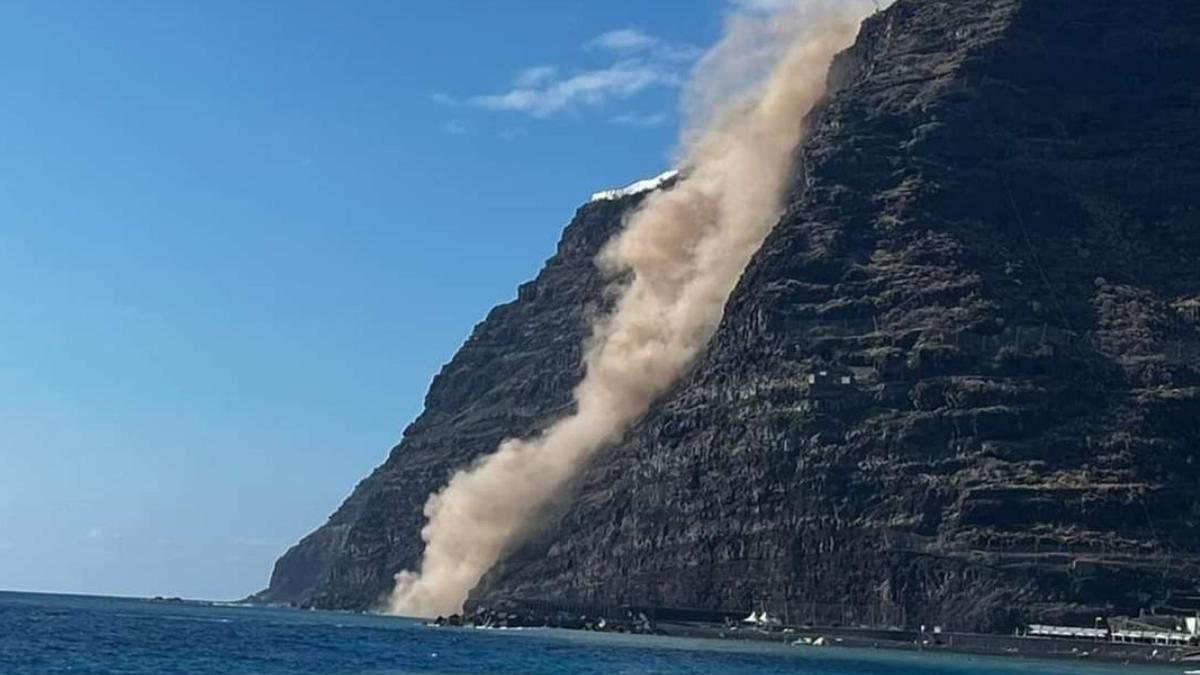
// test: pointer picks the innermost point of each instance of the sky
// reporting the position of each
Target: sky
(237, 240)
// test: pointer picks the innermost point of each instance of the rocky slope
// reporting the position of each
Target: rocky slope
(513, 375)
(960, 383)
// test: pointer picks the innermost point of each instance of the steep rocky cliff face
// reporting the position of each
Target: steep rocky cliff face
(960, 383)
(513, 375)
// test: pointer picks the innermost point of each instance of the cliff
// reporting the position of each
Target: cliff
(513, 376)
(960, 383)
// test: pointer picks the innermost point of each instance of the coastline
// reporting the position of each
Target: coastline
(978, 644)
(819, 637)
(211, 639)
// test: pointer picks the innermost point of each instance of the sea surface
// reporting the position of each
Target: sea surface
(72, 634)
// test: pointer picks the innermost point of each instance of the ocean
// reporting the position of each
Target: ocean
(51, 634)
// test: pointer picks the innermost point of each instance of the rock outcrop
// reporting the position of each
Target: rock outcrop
(960, 383)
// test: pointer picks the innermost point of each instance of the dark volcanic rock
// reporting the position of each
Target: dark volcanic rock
(513, 375)
(992, 250)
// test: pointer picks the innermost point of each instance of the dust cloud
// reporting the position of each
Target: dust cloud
(678, 258)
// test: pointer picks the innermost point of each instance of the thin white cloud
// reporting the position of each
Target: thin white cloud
(442, 98)
(642, 62)
(95, 533)
(455, 128)
(621, 80)
(630, 41)
(681, 53)
(762, 6)
(623, 40)
(775, 6)
(534, 76)
(636, 120)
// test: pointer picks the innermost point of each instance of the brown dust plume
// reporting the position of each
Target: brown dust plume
(679, 257)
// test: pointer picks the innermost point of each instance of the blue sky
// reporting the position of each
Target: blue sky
(237, 239)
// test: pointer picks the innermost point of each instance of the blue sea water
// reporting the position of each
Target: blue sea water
(51, 634)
